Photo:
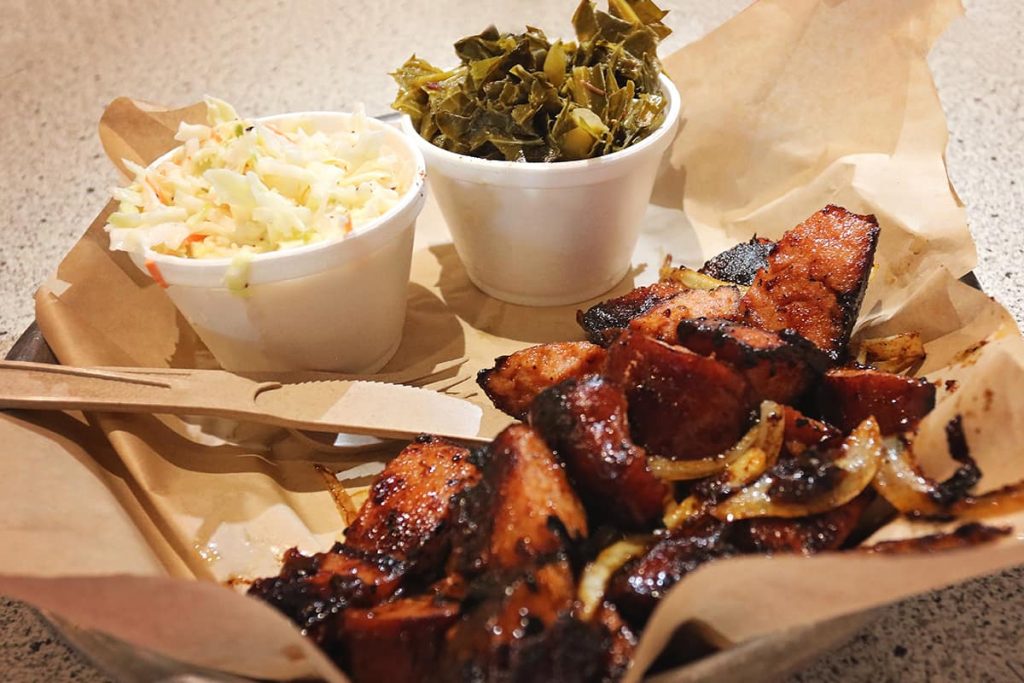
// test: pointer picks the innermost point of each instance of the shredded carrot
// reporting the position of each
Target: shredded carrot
(189, 242)
(154, 272)
(161, 195)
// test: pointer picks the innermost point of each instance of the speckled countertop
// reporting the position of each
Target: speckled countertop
(61, 61)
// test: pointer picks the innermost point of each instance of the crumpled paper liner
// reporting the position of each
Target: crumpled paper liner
(802, 103)
(791, 105)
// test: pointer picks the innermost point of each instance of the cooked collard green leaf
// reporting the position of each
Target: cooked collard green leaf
(519, 97)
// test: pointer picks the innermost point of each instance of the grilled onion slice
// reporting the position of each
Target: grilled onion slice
(858, 465)
(896, 354)
(900, 481)
(594, 580)
(691, 278)
(684, 470)
(687, 508)
(1004, 501)
(766, 435)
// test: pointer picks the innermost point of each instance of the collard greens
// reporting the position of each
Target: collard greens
(519, 97)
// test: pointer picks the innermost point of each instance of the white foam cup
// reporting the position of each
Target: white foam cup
(547, 234)
(335, 305)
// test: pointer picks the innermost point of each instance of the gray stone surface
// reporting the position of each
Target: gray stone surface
(30, 650)
(61, 61)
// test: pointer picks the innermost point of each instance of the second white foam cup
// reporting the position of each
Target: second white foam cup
(547, 234)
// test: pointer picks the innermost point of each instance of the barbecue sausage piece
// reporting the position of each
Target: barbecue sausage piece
(780, 367)
(662, 320)
(408, 504)
(740, 263)
(397, 642)
(515, 380)
(802, 535)
(815, 279)
(640, 583)
(519, 627)
(847, 396)
(400, 532)
(585, 423)
(656, 310)
(616, 313)
(522, 511)
(681, 405)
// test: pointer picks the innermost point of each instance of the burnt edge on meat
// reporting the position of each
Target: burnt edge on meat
(740, 264)
(618, 312)
(311, 605)
(964, 536)
(967, 475)
(662, 320)
(848, 302)
(794, 347)
(780, 366)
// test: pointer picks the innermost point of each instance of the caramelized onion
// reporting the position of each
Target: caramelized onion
(894, 354)
(751, 457)
(766, 435)
(691, 278)
(677, 513)
(596, 574)
(684, 470)
(763, 453)
(342, 500)
(859, 463)
(902, 484)
(1004, 501)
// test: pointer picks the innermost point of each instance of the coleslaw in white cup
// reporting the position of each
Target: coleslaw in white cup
(321, 298)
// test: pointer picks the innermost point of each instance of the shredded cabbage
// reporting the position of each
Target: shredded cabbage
(237, 188)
